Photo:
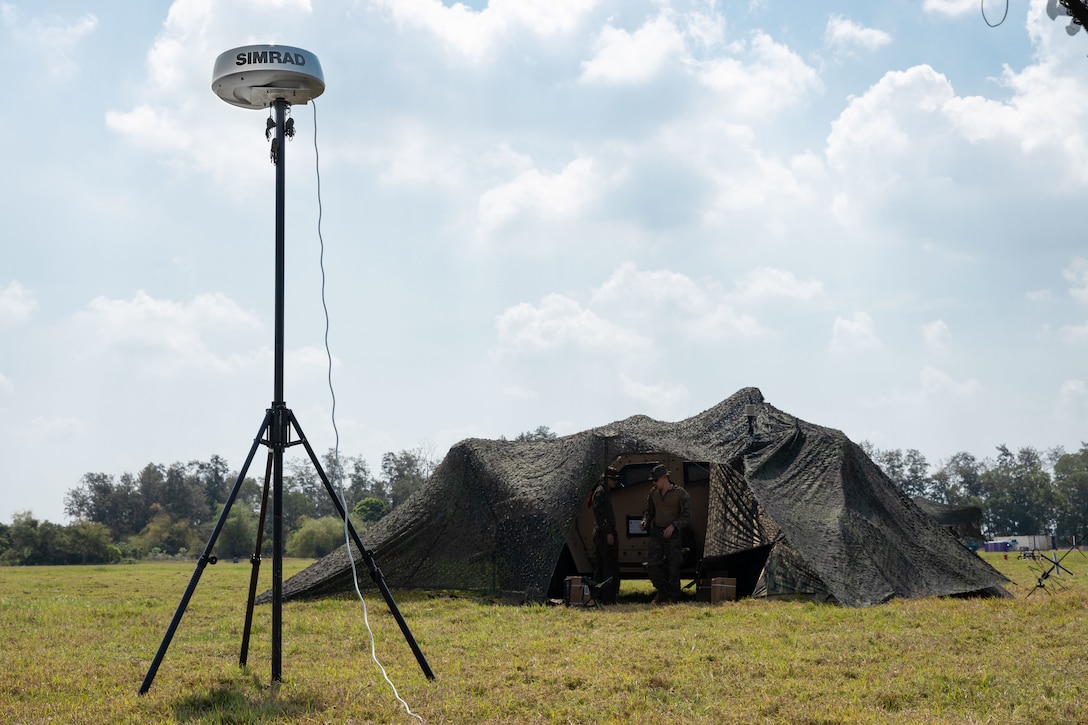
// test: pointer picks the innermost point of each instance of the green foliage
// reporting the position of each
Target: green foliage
(315, 538)
(167, 535)
(29, 541)
(370, 509)
(406, 472)
(1019, 495)
(238, 537)
(1071, 484)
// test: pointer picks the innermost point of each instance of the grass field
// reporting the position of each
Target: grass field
(76, 642)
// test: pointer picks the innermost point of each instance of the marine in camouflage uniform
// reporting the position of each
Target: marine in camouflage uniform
(667, 512)
(605, 538)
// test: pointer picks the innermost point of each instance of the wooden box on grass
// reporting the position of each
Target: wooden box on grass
(715, 590)
(576, 591)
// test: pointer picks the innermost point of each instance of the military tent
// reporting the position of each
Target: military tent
(791, 508)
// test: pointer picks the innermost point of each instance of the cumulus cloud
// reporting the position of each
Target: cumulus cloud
(762, 79)
(699, 309)
(539, 195)
(765, 282)
(1074, 334)
(474, 35)
(560, 322)
(659, 396)
(1073, 399)
(48, 42)
(844, 34)
(164, 336)
(624, 58)
(17, 304)
(854, 334)
(936, 335)
(950, 8)
(1077, 274)
(937, 383)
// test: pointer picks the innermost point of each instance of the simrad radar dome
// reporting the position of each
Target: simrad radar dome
(254, 76)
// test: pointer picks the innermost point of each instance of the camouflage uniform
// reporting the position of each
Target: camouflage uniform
(607, 563)
(664, 556)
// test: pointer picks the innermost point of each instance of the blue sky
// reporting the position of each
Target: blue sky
(558, 213)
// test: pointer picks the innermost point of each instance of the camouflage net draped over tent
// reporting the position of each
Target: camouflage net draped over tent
(495, 515)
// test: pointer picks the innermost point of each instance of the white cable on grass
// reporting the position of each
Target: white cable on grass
(336, 435)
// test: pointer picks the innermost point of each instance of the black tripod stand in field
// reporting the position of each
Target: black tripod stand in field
(279, 81)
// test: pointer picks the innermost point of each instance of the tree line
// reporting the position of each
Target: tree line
(171, 510)
(1023, 493)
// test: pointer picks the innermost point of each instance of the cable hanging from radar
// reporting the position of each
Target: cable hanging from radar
(982, 5)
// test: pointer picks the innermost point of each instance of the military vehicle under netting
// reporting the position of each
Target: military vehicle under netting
(786, 507)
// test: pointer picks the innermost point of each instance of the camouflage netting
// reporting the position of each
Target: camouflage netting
(495, 515)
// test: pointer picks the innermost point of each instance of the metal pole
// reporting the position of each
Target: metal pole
(279, 432)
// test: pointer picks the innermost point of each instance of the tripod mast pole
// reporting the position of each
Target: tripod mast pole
(279, 431)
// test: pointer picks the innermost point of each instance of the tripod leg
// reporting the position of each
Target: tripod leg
(368, 557)
(256, 562)
(204, 560)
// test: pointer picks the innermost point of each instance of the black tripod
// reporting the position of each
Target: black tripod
(275, 433)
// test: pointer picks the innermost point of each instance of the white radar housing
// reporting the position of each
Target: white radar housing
(254, 76)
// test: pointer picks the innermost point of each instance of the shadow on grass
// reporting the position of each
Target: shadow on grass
(236, 702)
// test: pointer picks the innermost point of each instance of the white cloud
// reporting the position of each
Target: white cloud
(623, 58)
(882, 128)
(560, 322)
(1073, 400)
(1074, 334)
(854, 335)
(844, 34)
(6, 386)
(474, 35)
(774, 78)
(17, 304)
(699, 309)
(1077, 274)
(49, 42)
(938, 384)
(165, 337)
(936, 335)
(764, 282)
(659, 396)
(1039, 296)
(950, 8)
(541, 195)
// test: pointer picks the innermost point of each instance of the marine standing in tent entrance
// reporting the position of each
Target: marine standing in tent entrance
(606, 568)
(668, 510)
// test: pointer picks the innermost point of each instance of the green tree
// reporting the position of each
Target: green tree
(89, 542)
(315, 538)
(370, 509)
(212, 479)
(1071, 485)
(1020, 498)
(99, 498)
(908, 470)
(183, 495)
(406, 472)
(238, 537)
(167, 534)
(34, 542)
(958, 481)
